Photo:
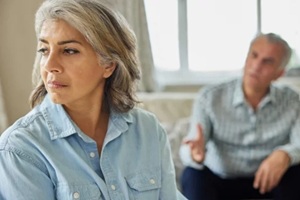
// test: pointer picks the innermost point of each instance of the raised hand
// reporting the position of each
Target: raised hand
(197, 145)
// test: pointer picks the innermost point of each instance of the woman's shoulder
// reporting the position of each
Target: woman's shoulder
(144, 120)
(24, 139)
(22, 130)
(145, 127)
(142, 114)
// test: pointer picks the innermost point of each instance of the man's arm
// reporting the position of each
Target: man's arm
(192, 151)
(276, 164)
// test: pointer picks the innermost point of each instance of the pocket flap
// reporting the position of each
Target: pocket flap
(86, 191)
(144, 180)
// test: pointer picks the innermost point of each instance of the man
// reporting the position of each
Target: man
(244, 138)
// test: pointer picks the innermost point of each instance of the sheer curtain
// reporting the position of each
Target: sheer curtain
(134, 12)
(3, 117)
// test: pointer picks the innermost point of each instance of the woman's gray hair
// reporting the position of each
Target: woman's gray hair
(110, 36)
(276, 39)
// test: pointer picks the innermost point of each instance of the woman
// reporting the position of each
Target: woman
(84, 138)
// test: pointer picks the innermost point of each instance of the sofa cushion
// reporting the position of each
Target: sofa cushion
(176, 132)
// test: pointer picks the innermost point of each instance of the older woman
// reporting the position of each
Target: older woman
(84, 138)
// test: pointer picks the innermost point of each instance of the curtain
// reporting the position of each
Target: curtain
(135, 14)
(3, 117)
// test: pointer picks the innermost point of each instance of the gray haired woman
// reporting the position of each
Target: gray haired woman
(84, 137)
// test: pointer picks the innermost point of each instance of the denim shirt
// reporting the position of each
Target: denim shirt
(44, 155)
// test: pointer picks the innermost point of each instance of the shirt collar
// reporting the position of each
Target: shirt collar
(60, 124)
(238, 94)
(239, 97)
(270, 97)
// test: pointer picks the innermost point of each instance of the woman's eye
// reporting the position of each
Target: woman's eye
(71, 51)
(42, 51)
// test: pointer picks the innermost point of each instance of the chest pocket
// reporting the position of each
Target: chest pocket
(78, 192)
(144, 184)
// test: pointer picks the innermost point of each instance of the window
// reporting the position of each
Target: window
(196, 41)
(283, 17)
(163, 27)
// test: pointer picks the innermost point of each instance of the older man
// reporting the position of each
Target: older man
(244, 140)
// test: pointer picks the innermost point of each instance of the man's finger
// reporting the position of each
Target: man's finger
(199, 132)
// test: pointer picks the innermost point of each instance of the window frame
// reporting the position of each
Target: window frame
(184, 76)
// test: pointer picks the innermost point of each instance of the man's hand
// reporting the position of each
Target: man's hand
(197, 145)
(271, 171)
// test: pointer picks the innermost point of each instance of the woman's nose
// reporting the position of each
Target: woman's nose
(52, 63)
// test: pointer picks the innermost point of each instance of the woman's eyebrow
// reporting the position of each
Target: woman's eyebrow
(61, 42)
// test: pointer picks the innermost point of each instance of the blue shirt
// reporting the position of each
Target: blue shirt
(45, 156)
(239, 138)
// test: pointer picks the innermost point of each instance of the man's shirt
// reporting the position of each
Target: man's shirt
(45, 156)
(239, 138)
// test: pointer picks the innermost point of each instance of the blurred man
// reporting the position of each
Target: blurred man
(244, 138)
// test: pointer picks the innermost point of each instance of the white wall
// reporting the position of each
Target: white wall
(17, 51)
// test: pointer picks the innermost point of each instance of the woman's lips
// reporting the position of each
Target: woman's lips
(55, 84)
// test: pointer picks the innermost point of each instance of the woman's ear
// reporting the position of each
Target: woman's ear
(109, 69)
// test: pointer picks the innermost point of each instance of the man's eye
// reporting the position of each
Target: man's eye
(42, 51)
(254, 55)
(71, 51)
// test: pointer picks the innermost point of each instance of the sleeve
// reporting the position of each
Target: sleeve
(199, 116)
(169, 189)
(23, 179)
(293, 147)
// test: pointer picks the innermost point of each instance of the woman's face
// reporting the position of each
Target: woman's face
(69, 66)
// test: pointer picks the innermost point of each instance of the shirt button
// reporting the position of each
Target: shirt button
(92, 154)
(113, 187)
(152, 181)
(76, 195)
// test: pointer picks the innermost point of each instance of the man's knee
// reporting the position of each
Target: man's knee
(288, 188)
(191, 176)
(198, 184)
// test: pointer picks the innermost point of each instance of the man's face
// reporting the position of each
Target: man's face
(263, 64)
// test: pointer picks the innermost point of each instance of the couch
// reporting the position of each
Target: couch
(173, 110)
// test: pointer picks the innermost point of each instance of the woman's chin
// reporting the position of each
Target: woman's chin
(56, 99)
